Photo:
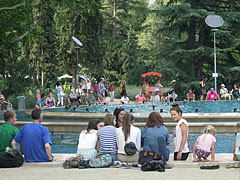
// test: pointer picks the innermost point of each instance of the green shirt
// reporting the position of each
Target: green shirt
(7, 133)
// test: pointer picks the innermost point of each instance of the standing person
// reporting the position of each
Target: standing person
(190, 96)
(84, 88)
(119, 113)
(205, 145)
(181, 146)
(160, 88)
(126, 134)
(235, 92)
(35, 139)
(101, 87)
(154, 139)
(111, 89)
(89, 86)
(123, 88)
(202, 89)
(50, 101)
(59, 92)
(106, 88)
(96, 90)
(8, 130)
(212, 95)
(88, 140)
(107, 137)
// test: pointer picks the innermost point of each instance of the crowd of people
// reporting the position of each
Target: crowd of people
(119, 138)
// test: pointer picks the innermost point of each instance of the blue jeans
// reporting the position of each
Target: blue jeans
(96, 94)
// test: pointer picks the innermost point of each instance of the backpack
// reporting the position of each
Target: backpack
(11, 159)
(102, 160)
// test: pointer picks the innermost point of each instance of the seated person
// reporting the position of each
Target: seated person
(3, 100)
(140, 98)
(90, 99)
(172, 97)
(50, 101)
(235, 92)
(212, 95)
(101, 99)
(124, 99)
(155, 97)
(224, 92)
(41, 101)
(35, 139)
(72, 96)
(37, 95)
(160, 88)
(190, 95)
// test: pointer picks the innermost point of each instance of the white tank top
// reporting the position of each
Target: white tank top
(177, 137)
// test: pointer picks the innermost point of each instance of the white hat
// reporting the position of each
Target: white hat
(222, 85)
(102, 78)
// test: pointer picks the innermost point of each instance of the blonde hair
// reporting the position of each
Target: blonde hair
(238, 125)
(209, 129)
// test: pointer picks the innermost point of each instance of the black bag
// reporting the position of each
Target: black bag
(130, 148)
(146, 157)
(11, 159)
(154, 165)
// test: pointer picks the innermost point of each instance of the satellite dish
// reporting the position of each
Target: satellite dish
(77, 41)
(214, 21)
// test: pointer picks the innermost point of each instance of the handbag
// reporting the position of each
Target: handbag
(154, 165)
(102, 160)
(146, 157)
(130, 148)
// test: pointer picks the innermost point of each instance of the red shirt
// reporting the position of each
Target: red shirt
(95, 87)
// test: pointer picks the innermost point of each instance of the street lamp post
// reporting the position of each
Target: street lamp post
(77, 47)
(214, 21)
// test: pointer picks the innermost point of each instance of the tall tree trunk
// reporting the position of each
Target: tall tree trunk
(114, 18)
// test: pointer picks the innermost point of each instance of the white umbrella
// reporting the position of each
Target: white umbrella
(64, 76)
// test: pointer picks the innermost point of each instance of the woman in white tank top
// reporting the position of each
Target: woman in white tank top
(181, 146)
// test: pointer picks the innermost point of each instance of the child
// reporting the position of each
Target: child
(205, 145)
(236, 148)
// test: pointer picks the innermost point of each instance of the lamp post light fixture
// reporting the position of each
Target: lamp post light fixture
(214, 21)
(77, 47)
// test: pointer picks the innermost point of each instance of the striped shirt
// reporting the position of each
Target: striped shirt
(107, 137)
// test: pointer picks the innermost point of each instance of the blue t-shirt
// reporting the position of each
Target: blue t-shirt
(34, 137)
(101, 87)
(40, 101)
(156, 139)
(107, 137)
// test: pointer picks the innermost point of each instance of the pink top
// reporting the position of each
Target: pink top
(205, 142)
(95, 87)
(140, 99)
(212, 96)
(37, 96)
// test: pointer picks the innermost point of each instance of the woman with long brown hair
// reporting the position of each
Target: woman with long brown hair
(126, 134)
(155, 139)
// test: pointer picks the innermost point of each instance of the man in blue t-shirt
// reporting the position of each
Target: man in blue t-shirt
(36, 140)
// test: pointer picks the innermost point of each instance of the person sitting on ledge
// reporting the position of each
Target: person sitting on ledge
(124, 99)
(172, 97)
(224, 92)
(41, 101)
(140, 98)
(155, 98)
(3, 100)
(35, 139)
(212, 95)
(190, 95)
(90, 99)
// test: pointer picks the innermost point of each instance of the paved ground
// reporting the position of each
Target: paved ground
(58, 173)
(181, 171)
